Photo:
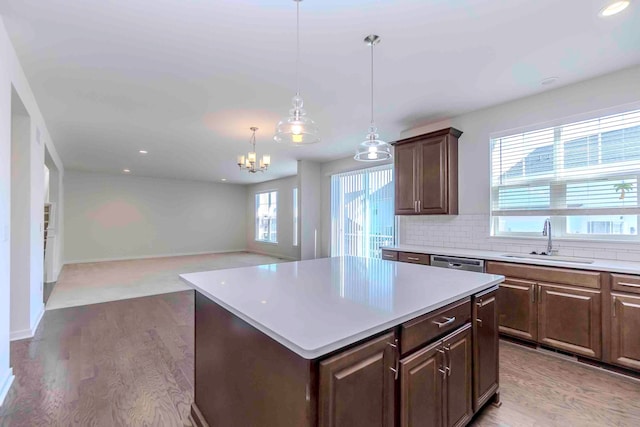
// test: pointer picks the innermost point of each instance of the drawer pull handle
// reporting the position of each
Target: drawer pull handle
(479, 322)
(449, 321)
(412, 258)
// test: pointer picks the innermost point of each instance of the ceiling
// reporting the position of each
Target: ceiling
(186, 79)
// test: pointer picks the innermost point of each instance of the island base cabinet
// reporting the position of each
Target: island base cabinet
(485, 348)
(625, 330)
(357, 387)
(421, 395)
(435, 383)
(569, 319)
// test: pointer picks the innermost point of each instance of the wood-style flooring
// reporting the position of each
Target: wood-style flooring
(130, 363)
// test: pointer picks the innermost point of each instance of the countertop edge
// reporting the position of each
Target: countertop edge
(604, 265)
(352, 339)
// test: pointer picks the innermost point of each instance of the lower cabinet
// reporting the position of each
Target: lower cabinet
(517, 309)
(357, 387)
(625, 330)
(436, 383)
(485, 348)
(569, 319)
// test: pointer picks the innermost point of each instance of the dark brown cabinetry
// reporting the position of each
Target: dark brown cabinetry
(436, 383)
(569, 319)
(485, 347)
(543, 305)
(413, 258)
(426, 174)
(357, 387)
(517, 309)
(625, 330)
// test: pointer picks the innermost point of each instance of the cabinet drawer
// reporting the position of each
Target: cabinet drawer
(389, 255)
(413, 258)
(564, 276)
(425, 329)
(625, 283)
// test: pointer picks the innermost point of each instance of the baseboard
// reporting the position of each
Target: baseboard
(129, 258)
(27, 333)
(288, 258)
(5, 385)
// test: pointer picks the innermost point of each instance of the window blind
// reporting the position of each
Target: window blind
(585, 168)
(362, 215)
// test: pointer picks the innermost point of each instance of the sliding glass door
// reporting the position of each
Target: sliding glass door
(362, 216)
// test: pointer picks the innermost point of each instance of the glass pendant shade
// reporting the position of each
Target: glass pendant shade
(297, 129)
(373, 149)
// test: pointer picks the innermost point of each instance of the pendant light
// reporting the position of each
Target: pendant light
(372, 149)
(250, 161)
(298, 128)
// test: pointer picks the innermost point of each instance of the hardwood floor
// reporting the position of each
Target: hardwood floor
(130, 363)
(123, 363)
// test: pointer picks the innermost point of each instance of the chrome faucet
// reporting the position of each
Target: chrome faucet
(546, 231)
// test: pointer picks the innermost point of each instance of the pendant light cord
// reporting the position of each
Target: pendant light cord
(372, 83)
(298, 47)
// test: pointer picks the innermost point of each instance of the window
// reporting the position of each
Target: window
(583, 175)
(295, 217)
(267, 217)
(362, 214)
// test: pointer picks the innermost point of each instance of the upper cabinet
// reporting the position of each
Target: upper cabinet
(426, 174)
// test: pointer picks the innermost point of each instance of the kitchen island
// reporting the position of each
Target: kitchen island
(343, 341)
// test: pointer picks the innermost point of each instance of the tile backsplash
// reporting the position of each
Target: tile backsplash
(472, 232)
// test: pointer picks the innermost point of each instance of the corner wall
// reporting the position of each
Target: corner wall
(284, 248)
(11, 74)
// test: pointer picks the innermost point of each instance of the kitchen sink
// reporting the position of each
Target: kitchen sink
(550, 258)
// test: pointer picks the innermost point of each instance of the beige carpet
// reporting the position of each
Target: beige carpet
(96, 282)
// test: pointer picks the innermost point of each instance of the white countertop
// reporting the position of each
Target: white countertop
(319, 306)
(597, 265)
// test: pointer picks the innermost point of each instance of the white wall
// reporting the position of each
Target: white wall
(111, 217)
(11, 74)
(310, 183)
(284, 248)
(606, 94)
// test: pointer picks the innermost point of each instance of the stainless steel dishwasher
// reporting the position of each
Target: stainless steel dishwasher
(466, 264)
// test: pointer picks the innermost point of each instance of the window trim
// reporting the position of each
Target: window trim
(558, 215)
(255, 217)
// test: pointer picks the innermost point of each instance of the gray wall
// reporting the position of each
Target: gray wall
(284, 248)
(124, 216)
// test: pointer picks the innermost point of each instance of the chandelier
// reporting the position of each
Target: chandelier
(372, 149)
(249, 162)
(297, 128)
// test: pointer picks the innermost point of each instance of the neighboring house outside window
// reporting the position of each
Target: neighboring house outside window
(582, 175)
(267, 217)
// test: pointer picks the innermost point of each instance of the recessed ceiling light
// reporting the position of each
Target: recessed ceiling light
(143, 152)
(223, 179)
(614, 7)
(548, 81)
(126, 171)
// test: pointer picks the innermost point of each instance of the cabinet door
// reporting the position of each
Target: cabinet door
(422, 377)
(406, 180)
(625, 330)
(517, 311)
(485, 348)
(569, 319)
(432, 175)
(458, 386)
(357, 387)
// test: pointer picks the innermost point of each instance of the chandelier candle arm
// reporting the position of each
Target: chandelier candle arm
(250, 162)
